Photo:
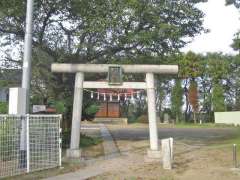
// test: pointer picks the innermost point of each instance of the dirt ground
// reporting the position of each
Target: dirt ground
(198, 155)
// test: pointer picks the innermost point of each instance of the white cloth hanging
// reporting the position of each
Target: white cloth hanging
(110, 97)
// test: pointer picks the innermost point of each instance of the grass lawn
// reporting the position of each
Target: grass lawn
(87, 141)
(223, 143)
(229, 142)
(235, 139)
(204, 125)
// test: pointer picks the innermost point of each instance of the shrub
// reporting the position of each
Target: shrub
(85, 141)
(60, 107)
(90, 111)
(3, 108)
(142, 119)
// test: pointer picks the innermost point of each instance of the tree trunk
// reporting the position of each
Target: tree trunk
(186, 99)
(177, 118)
(194, 117)
(160, 112)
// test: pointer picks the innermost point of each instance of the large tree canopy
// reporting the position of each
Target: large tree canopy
(95, 31)
(234, 2)
(100, 30)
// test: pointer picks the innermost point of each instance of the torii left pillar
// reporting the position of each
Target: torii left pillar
(75, 151)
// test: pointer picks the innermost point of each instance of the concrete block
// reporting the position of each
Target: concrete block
(167, 153)
(73, 153)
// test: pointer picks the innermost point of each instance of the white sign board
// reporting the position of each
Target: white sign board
(39, 108)
(16, 101)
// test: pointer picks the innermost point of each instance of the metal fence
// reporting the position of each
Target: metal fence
(29, 143)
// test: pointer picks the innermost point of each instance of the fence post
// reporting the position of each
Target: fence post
(235, 156)
(60, 148)
(60, 141)
(28, 143)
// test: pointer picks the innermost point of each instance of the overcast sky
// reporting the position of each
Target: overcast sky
(223, 22)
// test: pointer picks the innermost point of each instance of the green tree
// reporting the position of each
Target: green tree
(233, 83)
(177, 100)
(236, 47)
(218, 67)
(236, 42)
(218, 70)
(84, 31)
(236, 3)
(97, 31)
(218, 98)
(191, 67)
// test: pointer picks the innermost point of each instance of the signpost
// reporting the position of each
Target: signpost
(39, 108)
(115, 75)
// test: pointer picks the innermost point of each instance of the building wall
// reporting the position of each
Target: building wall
(227, 117)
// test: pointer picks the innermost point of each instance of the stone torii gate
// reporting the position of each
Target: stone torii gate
(80, 84)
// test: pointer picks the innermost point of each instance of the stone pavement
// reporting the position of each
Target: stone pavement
(110, 151)
(109, 146)
(80, 174)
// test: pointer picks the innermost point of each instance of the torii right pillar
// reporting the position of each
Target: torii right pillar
(154, 151)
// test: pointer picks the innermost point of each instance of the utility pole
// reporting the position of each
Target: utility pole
(26, 79)
(26, 69)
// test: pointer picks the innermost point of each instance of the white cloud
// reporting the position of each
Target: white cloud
(223, 22)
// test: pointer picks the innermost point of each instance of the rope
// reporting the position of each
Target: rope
(114, 94)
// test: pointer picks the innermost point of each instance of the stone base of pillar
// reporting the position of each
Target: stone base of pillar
(73, 153)
(153, 156)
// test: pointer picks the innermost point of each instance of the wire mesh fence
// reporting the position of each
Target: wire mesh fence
(29, 143)
(10, 157)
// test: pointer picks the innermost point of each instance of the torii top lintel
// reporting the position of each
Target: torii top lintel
(103, 68)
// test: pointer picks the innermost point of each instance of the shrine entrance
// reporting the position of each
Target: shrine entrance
(111, 102)
(115, 74)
